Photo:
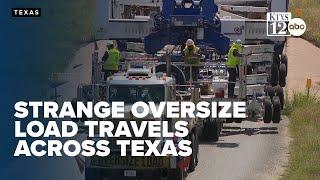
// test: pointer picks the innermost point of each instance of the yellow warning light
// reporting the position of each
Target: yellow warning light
(309, 83)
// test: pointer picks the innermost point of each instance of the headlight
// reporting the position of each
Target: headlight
(179, 2)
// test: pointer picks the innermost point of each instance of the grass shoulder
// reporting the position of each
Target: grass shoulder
(310, 14)
(304, 128)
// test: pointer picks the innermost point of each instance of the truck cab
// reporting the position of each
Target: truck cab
(133, 85)
(139, 85)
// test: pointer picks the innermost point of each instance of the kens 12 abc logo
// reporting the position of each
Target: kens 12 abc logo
(281, 24)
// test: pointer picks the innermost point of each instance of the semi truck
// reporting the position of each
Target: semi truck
(141, 82)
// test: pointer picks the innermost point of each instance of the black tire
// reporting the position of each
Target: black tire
(280, 93)
(229, 120)
(284, 60)
(176, 72)
(276, 109)
(215, 130)
(276, 59)
(193, 158)
(270, 91)
(282, 75)
(274, 74)
(212, 130)
(268, 110)
(181, 175)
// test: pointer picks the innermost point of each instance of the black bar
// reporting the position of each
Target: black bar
(26, 12)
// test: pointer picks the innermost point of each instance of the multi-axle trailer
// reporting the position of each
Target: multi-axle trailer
(157, 29)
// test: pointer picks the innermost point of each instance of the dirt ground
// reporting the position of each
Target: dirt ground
(303, 63)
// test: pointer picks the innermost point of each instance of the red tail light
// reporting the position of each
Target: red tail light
(219, 93)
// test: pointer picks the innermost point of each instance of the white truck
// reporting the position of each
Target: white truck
(262, 74)
(144, 84)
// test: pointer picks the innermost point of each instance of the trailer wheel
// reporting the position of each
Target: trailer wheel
(276, 109)
(280, 93)
(215, 130)
(270, 91)
(194, 154)
(284, 60)
(268, 110)
(276, 59)
(181, 175)
(212, 130)
(274, 74)
(177, 73)
(282, 75)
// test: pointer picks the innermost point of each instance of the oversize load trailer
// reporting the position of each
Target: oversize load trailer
(213, 25)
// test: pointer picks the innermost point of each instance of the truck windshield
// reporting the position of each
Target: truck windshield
(130, 94)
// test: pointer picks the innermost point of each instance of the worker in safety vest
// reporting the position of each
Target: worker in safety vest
(232, 64)
(111, 61)
(191, 59)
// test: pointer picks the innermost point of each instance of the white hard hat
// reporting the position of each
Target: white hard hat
(238, 41)
(189, 42)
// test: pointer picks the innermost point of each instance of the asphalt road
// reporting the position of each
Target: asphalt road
(251, 150)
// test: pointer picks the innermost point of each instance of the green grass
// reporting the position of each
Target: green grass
(310, 14)
(304, 128)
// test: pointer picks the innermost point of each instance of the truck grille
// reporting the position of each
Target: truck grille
(114, 147)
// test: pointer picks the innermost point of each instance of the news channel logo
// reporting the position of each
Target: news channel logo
(282, 24)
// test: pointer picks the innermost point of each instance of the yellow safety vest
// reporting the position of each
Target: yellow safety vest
(113, 61)
(191, 57)
(232, 60)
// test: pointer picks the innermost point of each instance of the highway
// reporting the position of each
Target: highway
(251, 150)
